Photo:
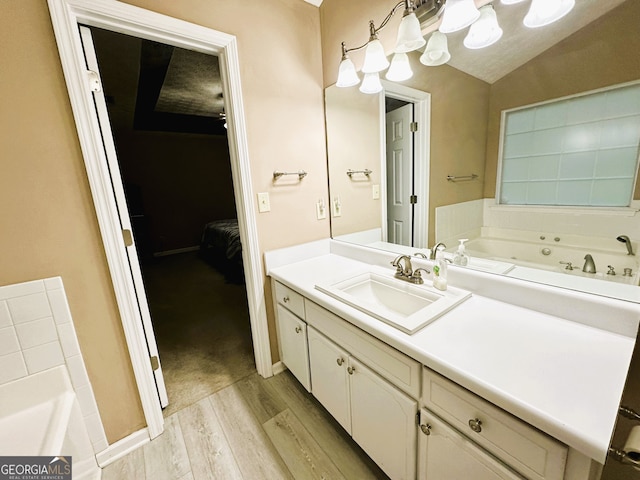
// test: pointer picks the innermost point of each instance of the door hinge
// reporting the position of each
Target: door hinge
(155, 363)
(413, 126)
(418, 417)
(128, 237)
(94, 81)
(413, 199)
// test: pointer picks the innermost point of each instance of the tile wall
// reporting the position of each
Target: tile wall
(37, 333)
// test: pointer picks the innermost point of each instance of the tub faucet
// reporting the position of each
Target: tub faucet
(432, 254)
(624, 239)
(589, 266)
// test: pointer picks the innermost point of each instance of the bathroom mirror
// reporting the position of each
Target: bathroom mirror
(463, 126)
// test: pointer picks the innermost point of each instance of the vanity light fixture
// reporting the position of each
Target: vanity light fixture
(544, 12)
(485, 31)
(454, 16)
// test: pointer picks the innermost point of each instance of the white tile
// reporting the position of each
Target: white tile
(8, 341)
(53, 283)
(96, 432)
(29, 307)
(59, 306)
(77, 371)
(21, 289)
(68, 340)
(12, 367)
(43, 357)
(37, 332)
(87, 400)
(5, 316)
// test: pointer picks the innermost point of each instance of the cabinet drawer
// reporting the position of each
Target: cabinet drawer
(290, 299)
(527, 450)
(397, 368)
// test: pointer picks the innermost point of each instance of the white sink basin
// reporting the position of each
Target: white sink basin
(404, 305)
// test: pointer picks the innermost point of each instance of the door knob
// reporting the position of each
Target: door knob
(475, 425)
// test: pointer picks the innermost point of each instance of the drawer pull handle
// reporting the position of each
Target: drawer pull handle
(298, 329)
(475, 425)
(351, 370)
(285, 299)
(340, 361)
(426, 429)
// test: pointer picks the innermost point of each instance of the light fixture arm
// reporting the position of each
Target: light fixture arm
(373, 31)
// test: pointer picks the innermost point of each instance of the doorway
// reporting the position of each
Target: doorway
(166, 113)
(66, 16)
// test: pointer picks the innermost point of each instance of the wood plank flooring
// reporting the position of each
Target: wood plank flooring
(253, 429)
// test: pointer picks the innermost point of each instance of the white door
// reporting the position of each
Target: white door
(118, 192)
(329, 379)
(445, 454)
(292, 334)
(383, 422)
(400, 175)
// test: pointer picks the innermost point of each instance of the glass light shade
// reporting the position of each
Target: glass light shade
(485, 31)
(400, 69)
(371, 83)
(544, 12)
(374, 58)
(409, 34)
(511, 2)
(458, 14)
(437, 51)
(347, 76)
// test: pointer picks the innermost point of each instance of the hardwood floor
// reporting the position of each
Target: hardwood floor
(253, 429)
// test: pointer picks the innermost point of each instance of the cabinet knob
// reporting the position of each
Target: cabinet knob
(298, 329)
(475, 425)
(426, 429)
(351, 370)
(340, 361)
(285, 299)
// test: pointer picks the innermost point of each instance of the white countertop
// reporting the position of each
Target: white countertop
(563, 377)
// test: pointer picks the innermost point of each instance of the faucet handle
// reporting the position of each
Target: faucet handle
(569, 266)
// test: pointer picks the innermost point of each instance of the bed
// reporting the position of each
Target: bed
(221, 246)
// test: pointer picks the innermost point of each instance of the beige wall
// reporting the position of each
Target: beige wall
(459, 102)
(603, 53)
(49, 225)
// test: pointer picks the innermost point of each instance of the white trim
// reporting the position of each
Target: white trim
(131, 20)
(278, 367)
(122, 447)
(422, 103)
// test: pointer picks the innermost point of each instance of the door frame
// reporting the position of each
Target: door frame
(128, 19)
(421, 154)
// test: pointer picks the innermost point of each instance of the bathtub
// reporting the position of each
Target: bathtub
(40, 416)
(527, 250)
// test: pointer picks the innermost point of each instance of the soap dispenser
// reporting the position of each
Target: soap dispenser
(460, 257)
(440, 270)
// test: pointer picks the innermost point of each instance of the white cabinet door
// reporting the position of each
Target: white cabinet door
(383, 422)
(329, 379)
(293, 345)
(445, 454)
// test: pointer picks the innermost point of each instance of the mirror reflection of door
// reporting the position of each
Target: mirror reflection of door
(400, 168)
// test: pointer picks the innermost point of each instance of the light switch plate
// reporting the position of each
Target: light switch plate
(376, 191)
(264, 205)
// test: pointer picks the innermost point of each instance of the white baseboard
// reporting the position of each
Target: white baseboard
(278, 367)
(175, 251)
(122, 447)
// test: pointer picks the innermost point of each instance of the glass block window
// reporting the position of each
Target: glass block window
(578, 151)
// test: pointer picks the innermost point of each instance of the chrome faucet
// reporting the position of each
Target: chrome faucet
(589, 266)
(405, 271)
(432, 255)
(624, 239)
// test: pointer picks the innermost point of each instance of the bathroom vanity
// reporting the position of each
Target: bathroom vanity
(516, 381)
